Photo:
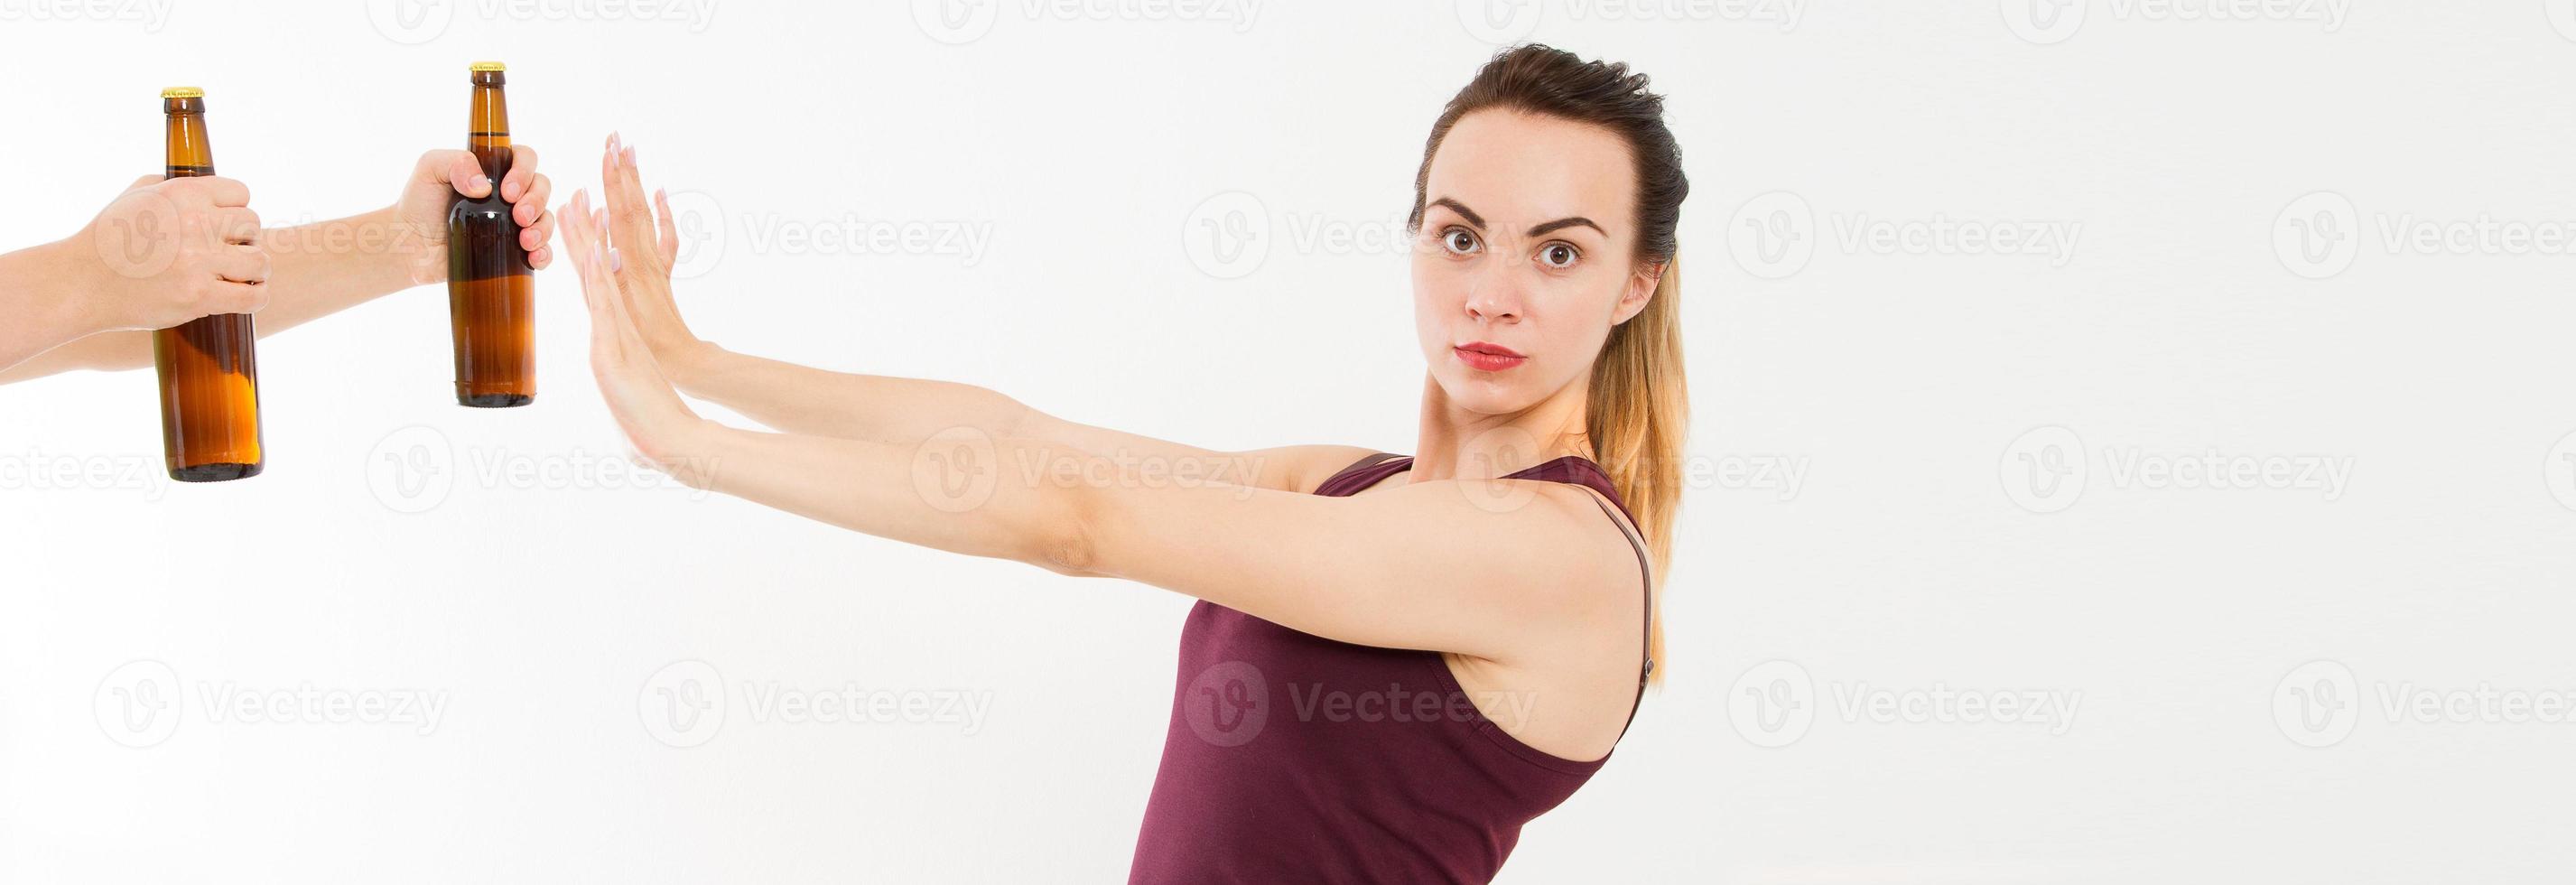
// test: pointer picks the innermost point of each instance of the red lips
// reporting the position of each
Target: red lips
(1488, 357)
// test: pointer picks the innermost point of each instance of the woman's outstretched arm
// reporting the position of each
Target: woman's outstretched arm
(320, 269)
(1498, 569)
(808, 401)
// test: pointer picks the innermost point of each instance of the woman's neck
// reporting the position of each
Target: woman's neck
(1455, 443)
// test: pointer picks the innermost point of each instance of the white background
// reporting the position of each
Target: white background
(391, 549)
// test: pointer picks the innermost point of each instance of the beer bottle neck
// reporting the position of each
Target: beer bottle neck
(487, 131)
(188, 154)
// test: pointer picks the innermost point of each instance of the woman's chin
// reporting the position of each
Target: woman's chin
(1486, 395)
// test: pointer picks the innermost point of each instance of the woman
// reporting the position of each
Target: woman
(1396, 661)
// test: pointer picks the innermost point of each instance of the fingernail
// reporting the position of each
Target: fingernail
(616, 261)
(662, 195)
(478, 182)
(627, 159)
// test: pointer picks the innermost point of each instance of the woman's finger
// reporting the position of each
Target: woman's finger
(582, 245)
(630, 222)
(669, 241)
(629, 341)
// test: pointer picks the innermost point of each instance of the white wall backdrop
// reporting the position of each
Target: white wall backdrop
(2132, 439)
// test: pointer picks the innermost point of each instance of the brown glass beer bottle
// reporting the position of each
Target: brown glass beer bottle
(209, 376)
(491, 291)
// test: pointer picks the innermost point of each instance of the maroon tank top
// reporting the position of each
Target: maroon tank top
(1295, 758)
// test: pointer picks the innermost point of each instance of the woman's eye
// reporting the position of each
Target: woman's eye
(1558, 255)
(1458, 240)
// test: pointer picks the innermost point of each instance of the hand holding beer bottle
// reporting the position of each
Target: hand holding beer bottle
(165, 251)
(208, 366)
(90, 307)
(491, 282)
(170, 250)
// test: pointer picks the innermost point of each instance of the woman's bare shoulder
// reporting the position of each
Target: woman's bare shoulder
(1302, 468)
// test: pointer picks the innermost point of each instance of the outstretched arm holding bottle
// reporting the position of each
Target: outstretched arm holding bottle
(90, 301)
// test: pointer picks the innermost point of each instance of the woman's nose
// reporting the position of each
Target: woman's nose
(1495, 292)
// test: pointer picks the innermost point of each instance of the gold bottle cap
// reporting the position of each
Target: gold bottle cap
(481, 66)
(183, 92)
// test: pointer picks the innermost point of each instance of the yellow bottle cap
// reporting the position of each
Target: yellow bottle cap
(183, 92)
(481, 66)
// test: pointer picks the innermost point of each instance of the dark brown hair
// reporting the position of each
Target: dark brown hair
(1637, 411)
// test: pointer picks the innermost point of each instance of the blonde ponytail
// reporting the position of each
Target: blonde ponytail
(1638, 417)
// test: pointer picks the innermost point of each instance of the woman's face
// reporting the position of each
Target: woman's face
(1525, 258)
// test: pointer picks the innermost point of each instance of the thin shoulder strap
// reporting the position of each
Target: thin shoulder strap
(1367, 461)
(1647, 640)
(1371, 460)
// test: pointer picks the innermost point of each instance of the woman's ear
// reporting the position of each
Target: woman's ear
(1640, 289)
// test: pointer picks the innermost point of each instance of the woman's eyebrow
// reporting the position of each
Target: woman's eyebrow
(1473, 220)
(1478, 221)
(1563, 223)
